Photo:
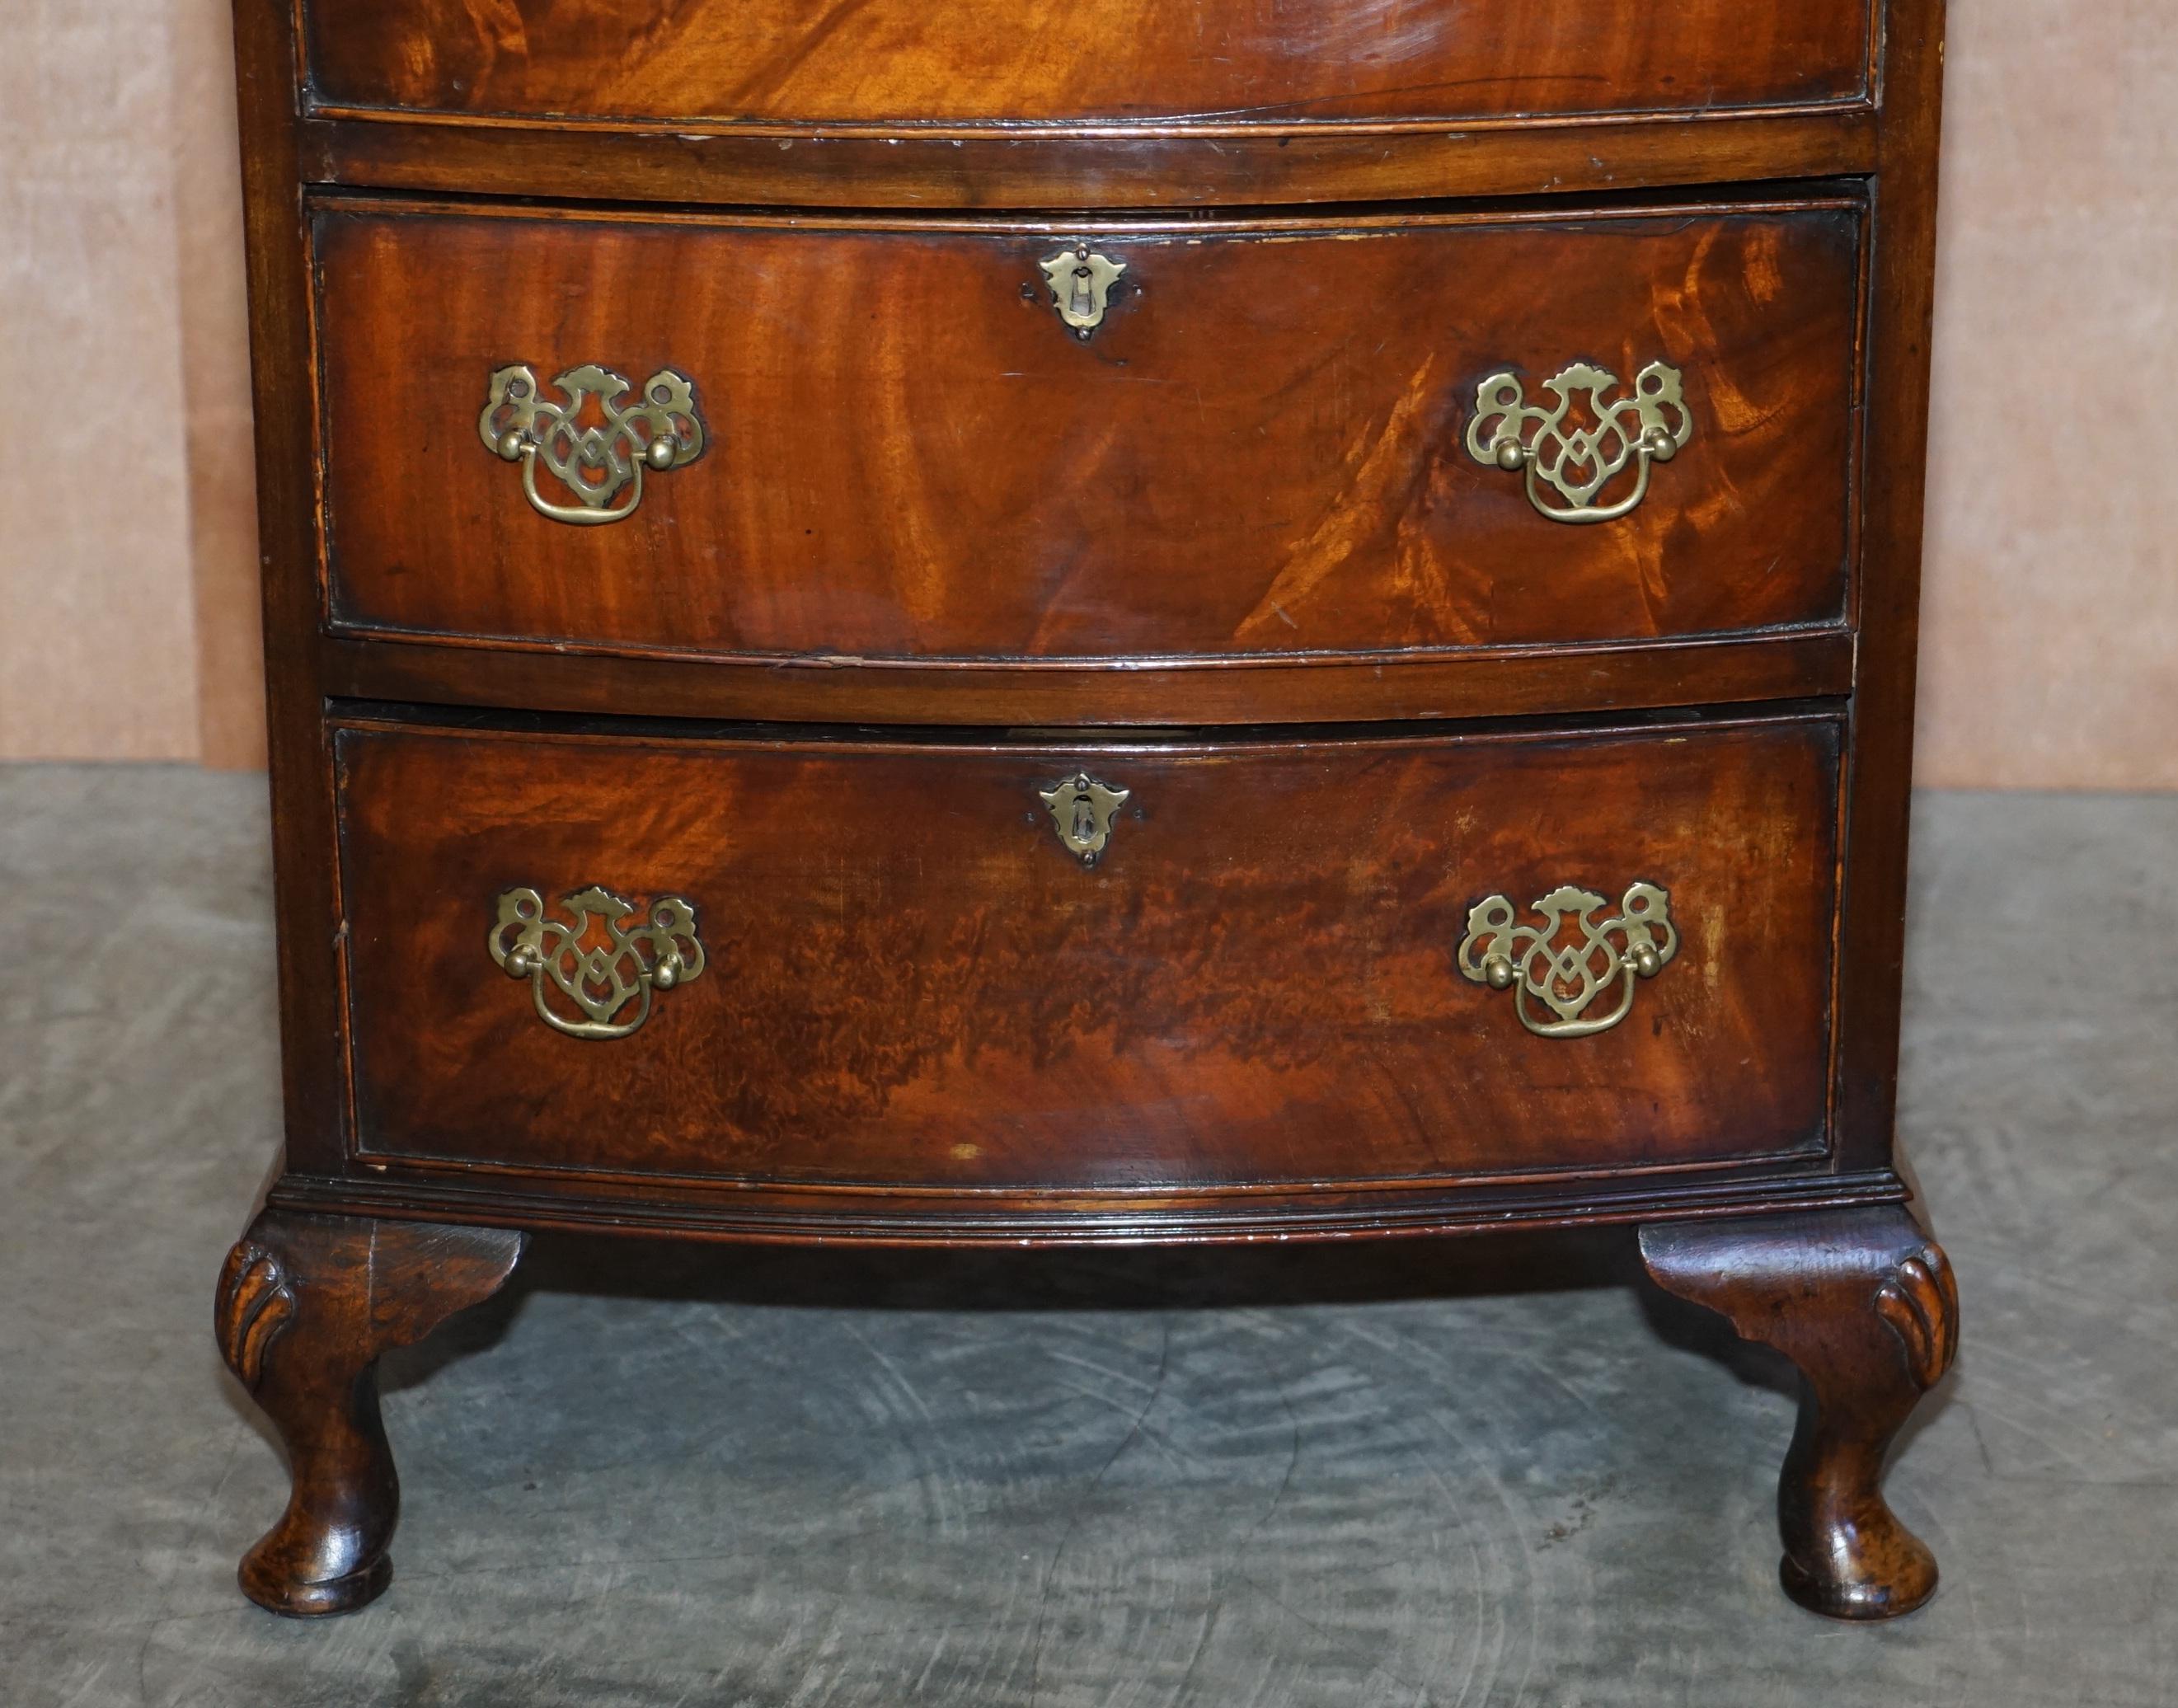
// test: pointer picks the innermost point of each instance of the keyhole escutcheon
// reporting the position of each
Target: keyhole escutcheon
(1081, 282)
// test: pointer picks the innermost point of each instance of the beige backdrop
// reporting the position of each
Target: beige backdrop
(128, 605)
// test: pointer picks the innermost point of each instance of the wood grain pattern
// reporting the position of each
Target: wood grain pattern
(911, 982)
(980, 62)
(1257, 454)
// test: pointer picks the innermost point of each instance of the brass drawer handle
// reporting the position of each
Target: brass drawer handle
(1081, 811)
(1575, 462)
(1554, 983)
(659, 430)
(569, 968)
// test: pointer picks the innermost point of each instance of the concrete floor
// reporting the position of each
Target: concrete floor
(1473, 1474)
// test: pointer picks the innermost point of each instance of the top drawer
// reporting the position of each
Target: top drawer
(1235, 64)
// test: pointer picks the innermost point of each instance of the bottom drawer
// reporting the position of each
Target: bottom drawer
(1101, 965)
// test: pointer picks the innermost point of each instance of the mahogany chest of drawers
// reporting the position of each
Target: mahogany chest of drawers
(971, 623)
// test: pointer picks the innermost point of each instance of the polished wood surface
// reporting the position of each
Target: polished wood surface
(1077, 168)
(305, 1306)
(282, 414)
(1865, 1304)
(912, 981)
(1788, 664)
(1216, 62)
(1259, 452)
(1873, 925)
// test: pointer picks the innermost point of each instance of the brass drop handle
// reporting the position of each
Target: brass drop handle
(1555, 981)
(588, 988)
(659, 430)
(1578, 463)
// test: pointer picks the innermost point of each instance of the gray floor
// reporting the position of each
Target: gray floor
(1476, 1473)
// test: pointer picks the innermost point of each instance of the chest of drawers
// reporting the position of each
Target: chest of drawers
(1008, 623)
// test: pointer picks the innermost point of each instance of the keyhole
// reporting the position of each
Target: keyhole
(1080, 305)
(1084, 821)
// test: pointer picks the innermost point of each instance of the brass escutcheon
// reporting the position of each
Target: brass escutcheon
(1577, 463)
(1082, 283)
(1081, 811)
(1555, 983)
(586, 987)
(594, 462)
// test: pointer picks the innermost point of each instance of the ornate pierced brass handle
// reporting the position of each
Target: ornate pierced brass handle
(594, 462)
(1578, 462)
(592, 974)
(1554, 983)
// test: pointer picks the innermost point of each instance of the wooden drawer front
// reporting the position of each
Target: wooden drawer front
(1260, 450)
(906, 978)
(1224, 63)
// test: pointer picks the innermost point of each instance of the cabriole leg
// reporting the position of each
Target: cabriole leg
(1864, 1302)
(306, 1304)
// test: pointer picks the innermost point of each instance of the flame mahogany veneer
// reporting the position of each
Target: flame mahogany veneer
(921, 469)
(1217, 64)
(929, 991)
(1082, 784)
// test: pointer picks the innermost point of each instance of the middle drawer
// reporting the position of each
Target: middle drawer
(764, 437)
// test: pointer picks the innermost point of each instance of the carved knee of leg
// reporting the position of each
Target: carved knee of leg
(1865, 1304)
(306, 1306)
